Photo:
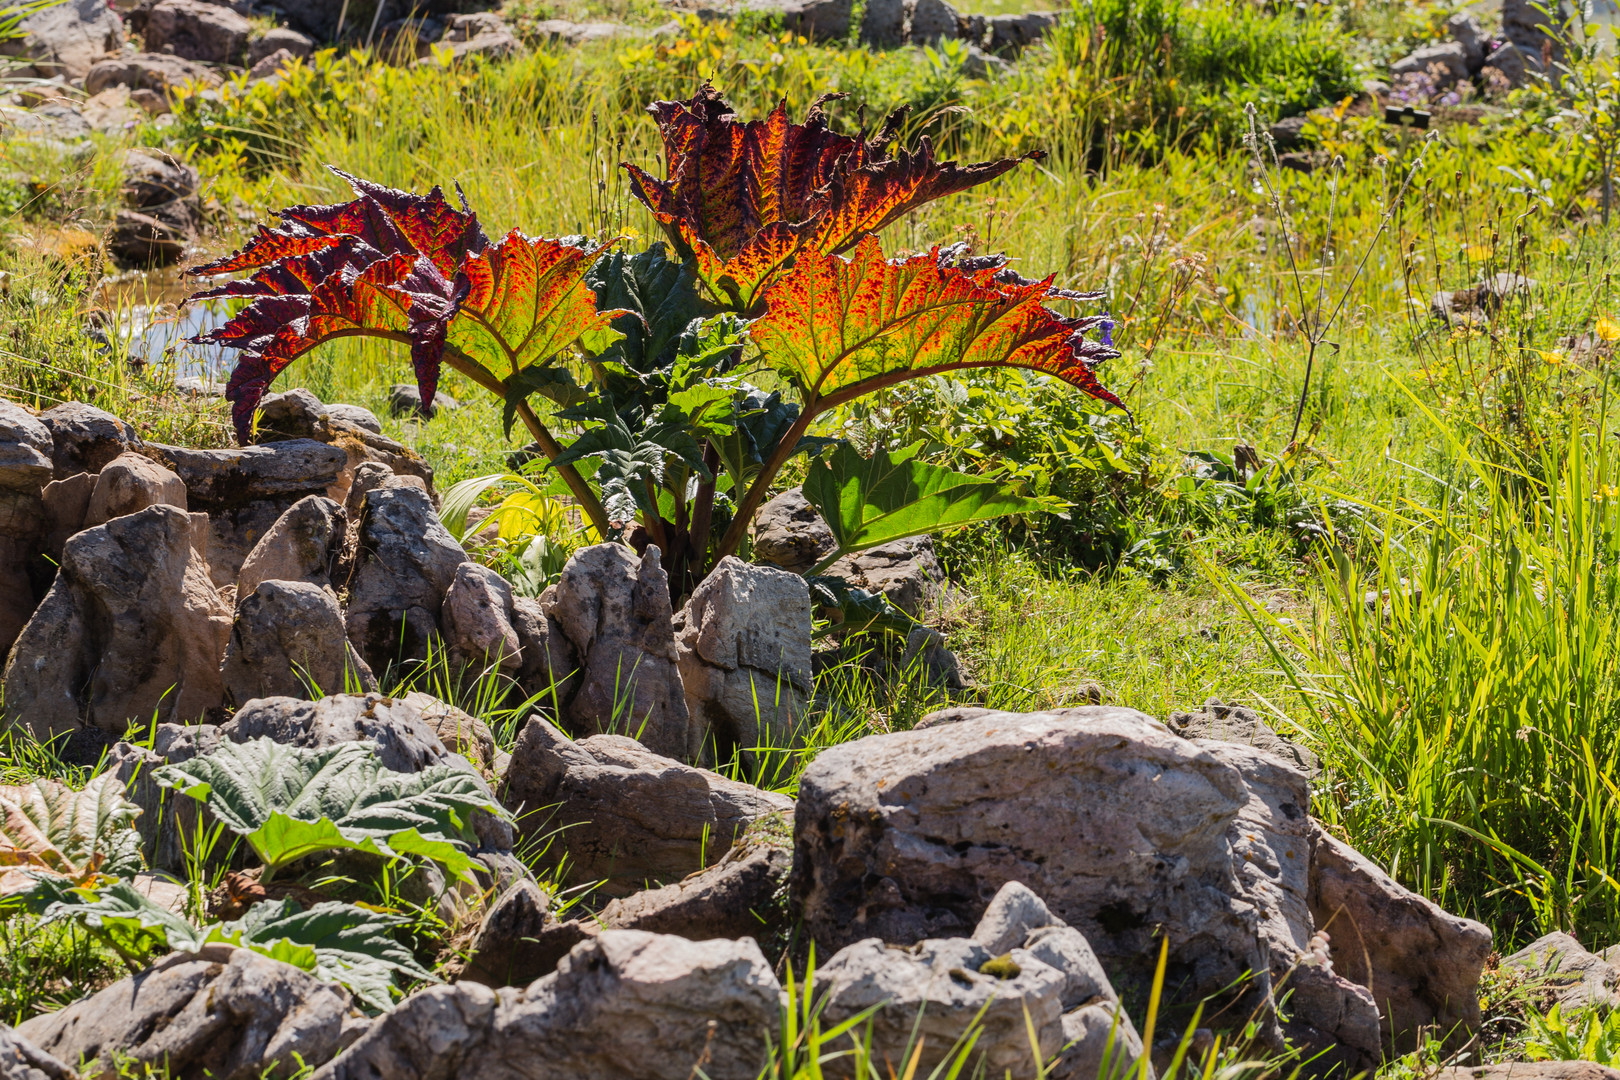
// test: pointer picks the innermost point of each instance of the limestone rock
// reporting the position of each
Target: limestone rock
(1466, 31)
(131, 629)
(1579, 979)
(301, 546)
(908, 836)
(1450, 57)
(631, 816)
(906, 571)
(403, 741)
(625, 1003)
(25, 451)
(407, 562)
(85, 438)
(1425, 963)
(1233, 723)
(742, 895)
(481, 33)
(281, 38)
(156, 72)
(790, 534)
(615, 611)
(925, 22)
(460, 732)
(1531, 1070)
(744, 656)
(195, 30)
(225, 1013)
(67, 39)
(287, 636)
(154, 177)
(550, 664)
(245, 491)
(22, 1060)
(478, 622)
(520, 940)
(130, 483)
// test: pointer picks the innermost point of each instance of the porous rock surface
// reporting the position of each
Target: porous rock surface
(743, 643)
(22, 1060)
(289, 636)
(131, 629)
(1578, 978)
(404, 743)
(625, 1003)
(630, 816)
(407, 562)
(1127, 831)
(301, 546)
(224, 1013)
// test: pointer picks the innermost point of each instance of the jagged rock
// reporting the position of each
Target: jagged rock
(623, 1004)
(1022, 973)
(157, 72)
(407, 562)
(550, 664)
(1235, 724)
(883, 23)
(906, 836)
(85, 438)
(630, 815)
(906, 571)
(270, 66)
(925, 22)
(22, 1060)
(1482, 300)
(790, 534)
(1530, 1070)
(287, 636)
(927, 656)
(196, 30)
(368, 477)
(478, 622)
(1010, 33)
(481, 33)
(131, 482)
(1425, 962)
(66, 504)
(299, 414)
(131, 629)
(25, 451)
(1579, 979)
(577, 33)
(744, 657)
(355, 416)
(742, 895)
(154, 177)
(404, 742)
(1527, 26)
(1466, 31)
(151, 239)
(460, 732)
(300, 546)
(1508, 63)
(280, 39)
(67, 39)
(245, 491)
(520, 940)
(1450, 57)
(615, 611)
(224, 1013)
(405, 400)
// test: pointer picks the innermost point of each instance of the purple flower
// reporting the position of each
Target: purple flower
(1107, 334)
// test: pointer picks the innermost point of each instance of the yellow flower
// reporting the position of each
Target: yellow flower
(1608, 329)
(1554, 358)
(1607, 491)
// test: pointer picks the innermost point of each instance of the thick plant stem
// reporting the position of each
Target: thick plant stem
(762, 483)
(589, 504)
(703, 515)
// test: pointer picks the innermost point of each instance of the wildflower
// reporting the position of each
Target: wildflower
(1608, 329)
(1553, 358)
(1106, 330)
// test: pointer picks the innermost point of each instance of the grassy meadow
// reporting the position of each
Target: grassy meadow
(1396, 538)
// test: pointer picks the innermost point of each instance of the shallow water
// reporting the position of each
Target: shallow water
(152, 321)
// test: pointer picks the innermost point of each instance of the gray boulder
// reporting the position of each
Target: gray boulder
(159, 73)
(1578, 978)
(404, 743)
(154, 237)
(354, 416)
(461, 732)
(22, 1060)
(480, 33)
(289, 636)
(906, 571)
(130, 483)
(908, 836)
(883, 23)
(788, 533)
(520, 940)
(407, 562)
(85, 438)
(742, 895)
(196, 30)
(1236, 724)
(1466, 31)
(1532, 29)
(631, 817)
(625, 1003)
(67, 39)
(478, 618)
(299, 414)
(132, 629)
(26, 447)
(925, 22)
(25, 472)
(743, 643)
(245, 491)
(302, 545)
(615, 611)
(1508, 64)
(154, 177)
(223, 1013)
(279, 39)
(550, 663)
(1010, 33)
(1450, 57)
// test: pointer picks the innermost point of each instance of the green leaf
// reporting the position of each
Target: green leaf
(859, 609)
(871, 501)
(661, 295)
(127, 919)
(290, 802)
(555, 383)
(48, 828)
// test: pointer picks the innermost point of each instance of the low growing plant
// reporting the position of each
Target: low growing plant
(775, 268)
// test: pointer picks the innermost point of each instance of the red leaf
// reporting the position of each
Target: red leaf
(842, 327)
(741, 198)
